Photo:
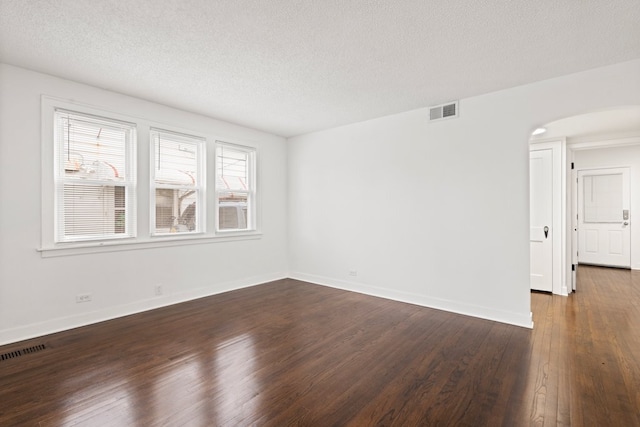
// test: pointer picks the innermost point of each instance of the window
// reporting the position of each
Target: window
(602, 198)
(177, 183)
(93, 200)
(235, 187)
(94, 178)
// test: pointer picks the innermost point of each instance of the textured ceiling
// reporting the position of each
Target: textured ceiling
(292, 67)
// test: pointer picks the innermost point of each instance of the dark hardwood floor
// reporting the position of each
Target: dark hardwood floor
(292, 353)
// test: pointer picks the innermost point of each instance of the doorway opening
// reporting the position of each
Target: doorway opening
(592, 154)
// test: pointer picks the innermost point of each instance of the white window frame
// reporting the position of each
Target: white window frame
(61, 179)
(200, 184)
(143, 238)
(251, 192)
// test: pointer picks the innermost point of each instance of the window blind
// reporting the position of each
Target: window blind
(177, 180)
(95, 179)
(234, 187)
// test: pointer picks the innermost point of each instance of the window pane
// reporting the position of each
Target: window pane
(228, 217)
(93, 210)
(232, 211)
(175, 158)
(232, 169)
(603, 198)
(92, 149)
(175, 211)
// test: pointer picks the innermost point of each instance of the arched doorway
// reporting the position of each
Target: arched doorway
(593, 140)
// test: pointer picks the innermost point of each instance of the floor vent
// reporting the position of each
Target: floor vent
(22, 352)
(444, 111)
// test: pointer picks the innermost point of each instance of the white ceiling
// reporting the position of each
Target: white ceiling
(293, 67)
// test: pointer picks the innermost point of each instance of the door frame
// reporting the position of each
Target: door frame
(558, 149)
(612, 142)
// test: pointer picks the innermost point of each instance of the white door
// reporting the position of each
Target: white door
(541, 219)
(604, 226)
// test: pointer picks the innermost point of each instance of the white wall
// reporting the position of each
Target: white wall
(435, 213)
(619, 157)
(37, 295)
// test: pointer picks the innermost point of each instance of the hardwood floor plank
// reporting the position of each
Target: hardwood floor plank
(561, 360)
(291, 353)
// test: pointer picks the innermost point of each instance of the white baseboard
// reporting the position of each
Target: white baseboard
(35, 330)
(511, 318)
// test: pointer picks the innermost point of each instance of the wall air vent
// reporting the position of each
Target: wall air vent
(444, 111)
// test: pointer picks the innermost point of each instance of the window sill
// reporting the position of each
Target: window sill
(69, 249)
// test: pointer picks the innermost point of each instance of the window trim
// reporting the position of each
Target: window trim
(143, 238)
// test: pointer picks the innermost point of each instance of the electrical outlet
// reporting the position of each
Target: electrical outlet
(83, 298)
(158, 290)
(353, 273)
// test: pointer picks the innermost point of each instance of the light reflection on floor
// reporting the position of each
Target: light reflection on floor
(237, 386)
(82, 407)
(211, 385)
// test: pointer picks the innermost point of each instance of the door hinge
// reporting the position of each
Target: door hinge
(572, 165)
(573, 267)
